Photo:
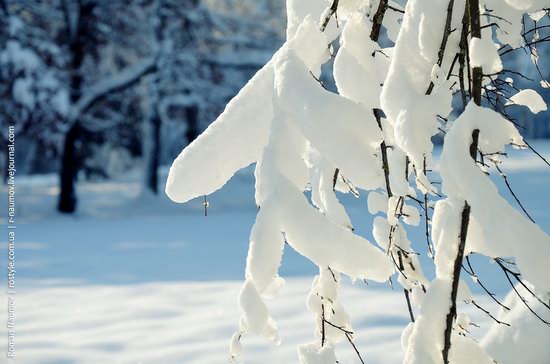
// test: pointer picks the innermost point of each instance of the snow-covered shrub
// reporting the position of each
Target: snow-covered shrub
(375, 135)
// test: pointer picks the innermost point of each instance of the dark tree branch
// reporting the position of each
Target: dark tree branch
(462, 57)
(377, 20)
(331, 11)
(323, 325)
(455, 281)
(446, 33)
(405, 291)
(427, 216)
(396, 9)
(477, 76)
(338, 327)
(375, 34)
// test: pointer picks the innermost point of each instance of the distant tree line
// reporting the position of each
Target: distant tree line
(95, 87)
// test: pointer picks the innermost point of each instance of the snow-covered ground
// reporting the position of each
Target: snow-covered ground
(138, 279)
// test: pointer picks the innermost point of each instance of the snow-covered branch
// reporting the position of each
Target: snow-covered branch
(110, 84)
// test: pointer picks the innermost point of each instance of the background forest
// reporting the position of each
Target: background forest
(96, 88)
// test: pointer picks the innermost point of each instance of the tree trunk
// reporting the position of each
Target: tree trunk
(68, 171)
(77, 37)
(151, 151)
(192, 118)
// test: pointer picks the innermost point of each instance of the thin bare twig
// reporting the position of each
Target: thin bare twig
(474, 275)
(489, 314)
(516, 276)
(507, 273)
(537, 153)
(505, 178)
(348, 336)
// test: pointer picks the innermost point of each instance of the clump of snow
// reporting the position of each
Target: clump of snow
(397, 162)
(537, 15)
(529, 98)
(330, 315)
(356, 71)
(377, 202)
(322, 173)
(411, 215)
(411, 112)
(235, 348)
(322, 241)
(483, 53)
(255, 318)
(313, 354)
(319, 110)
(230, 143)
